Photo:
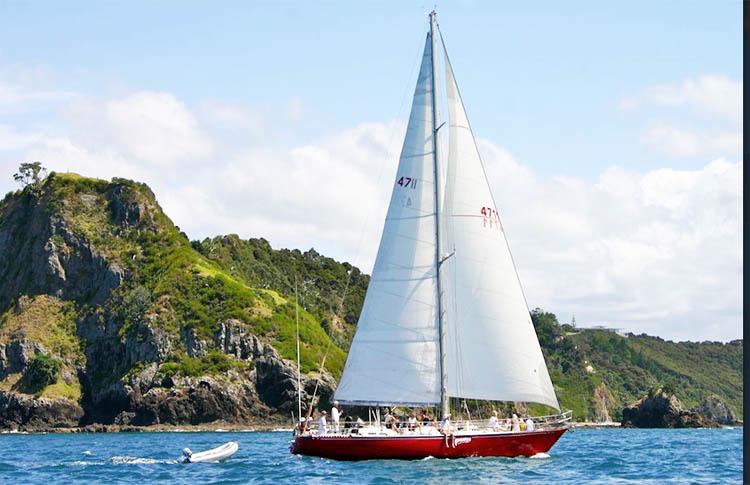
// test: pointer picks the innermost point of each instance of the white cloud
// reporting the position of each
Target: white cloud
(150, 127)
(231, 116)
(712, 94)
(677, 142)
(658, 252)
(712, 104)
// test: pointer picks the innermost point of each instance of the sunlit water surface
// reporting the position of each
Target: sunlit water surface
(592, 455)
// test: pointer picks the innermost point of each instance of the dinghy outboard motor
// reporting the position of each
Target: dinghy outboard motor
(186, 454)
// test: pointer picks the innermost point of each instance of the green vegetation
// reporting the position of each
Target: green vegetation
(176, 286)
(47, 320)
(42, 371)
(30, 176)
(630, 366)
(213, 363)
(62, 389)
(321, 282)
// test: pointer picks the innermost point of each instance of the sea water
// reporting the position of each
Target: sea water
(581, 456)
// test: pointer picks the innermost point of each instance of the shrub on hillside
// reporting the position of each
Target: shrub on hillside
(42, 371)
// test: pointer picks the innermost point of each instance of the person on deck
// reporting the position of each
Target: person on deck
(335, 414)
(515, 423)
(445, 426)
(322, 425)
(529, 424)
(413, 424)
(493, 424)
(387, 417)
(425, 419)
(392, 422)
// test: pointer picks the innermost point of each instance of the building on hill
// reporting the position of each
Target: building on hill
(605, 328)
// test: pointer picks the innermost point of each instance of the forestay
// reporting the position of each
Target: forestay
(394, 357)
(491, 347)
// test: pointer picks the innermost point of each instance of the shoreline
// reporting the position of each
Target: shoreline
(215, 427)
(594, 424)
(223, 427)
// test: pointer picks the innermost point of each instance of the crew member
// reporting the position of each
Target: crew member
(529, 424)
(515, 423)
(322, 425)
(335, 414)
(493, 424)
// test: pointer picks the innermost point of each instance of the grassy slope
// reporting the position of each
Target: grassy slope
(50, 322)
(631, 366)
(184, 288)
(322, 282)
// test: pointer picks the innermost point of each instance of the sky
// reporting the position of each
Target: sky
(611, 131)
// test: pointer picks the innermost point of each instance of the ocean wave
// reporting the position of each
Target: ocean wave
(86, 463)
(134, 460)
(540, 456)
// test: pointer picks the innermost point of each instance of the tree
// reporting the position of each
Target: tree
(30, 174)
(42, 371)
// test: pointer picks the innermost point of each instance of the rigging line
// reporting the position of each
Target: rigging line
(481, 162)
(367, 219)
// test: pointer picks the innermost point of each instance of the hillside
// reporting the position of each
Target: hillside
(109, 314)
(94, 275)
(597, 372)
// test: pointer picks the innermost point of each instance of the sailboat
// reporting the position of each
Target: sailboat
(444, 315)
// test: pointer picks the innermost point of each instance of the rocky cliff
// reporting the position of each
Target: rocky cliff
(662, 409)
(109, 315)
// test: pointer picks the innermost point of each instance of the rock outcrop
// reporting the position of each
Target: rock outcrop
(603, 403)
(662, 410)
(40, 254)
(21, 411)
(715, 409)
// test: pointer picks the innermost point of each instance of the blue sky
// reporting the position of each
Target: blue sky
(543, 78)
(611, 131)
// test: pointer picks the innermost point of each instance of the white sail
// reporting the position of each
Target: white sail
(492, 350)
(394, 357)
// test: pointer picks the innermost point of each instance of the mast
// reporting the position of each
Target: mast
(299, 366)
(436, 170)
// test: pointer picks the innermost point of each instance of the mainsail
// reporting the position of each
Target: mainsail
(394, 357)
(489, 347)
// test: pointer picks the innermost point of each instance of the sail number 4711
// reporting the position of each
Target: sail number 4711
(490, 217)
(489, 212)
(407, 182)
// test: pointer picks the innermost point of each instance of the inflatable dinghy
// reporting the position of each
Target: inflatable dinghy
(213, 455)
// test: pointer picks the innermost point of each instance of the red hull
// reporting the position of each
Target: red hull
(416, 447)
